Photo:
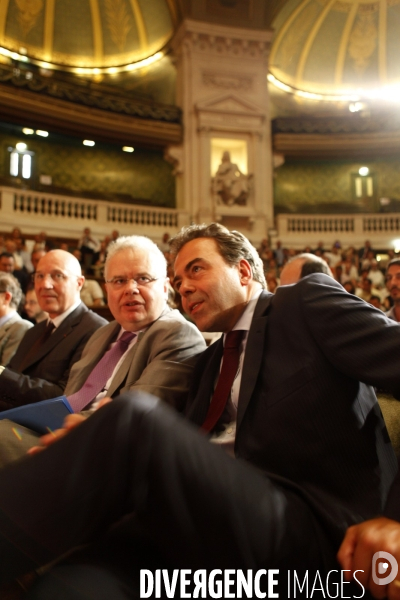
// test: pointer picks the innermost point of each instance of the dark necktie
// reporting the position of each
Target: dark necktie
(47, 331)
(230, 364)
(100, 374)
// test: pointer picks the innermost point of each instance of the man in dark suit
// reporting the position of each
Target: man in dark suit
(41, 365)
(302, 417)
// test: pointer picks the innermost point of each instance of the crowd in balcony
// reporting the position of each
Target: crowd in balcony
(361, 271)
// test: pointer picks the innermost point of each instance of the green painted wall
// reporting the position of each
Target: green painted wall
(328, 186)
(105, 169)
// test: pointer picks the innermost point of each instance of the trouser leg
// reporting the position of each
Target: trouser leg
(199, 507)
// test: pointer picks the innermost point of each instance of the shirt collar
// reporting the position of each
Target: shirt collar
(60, 318)
(7, 317)
(244, 321)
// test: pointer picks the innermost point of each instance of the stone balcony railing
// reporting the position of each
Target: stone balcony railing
(297, 231)
(66, 216)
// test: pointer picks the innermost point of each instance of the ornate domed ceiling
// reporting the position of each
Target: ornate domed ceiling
(337, 46)
(99, 34)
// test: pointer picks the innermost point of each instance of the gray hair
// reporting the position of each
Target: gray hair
(137, 242)
(8, 283)
(233, 246)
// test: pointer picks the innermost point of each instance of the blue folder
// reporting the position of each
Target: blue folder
(40, 416)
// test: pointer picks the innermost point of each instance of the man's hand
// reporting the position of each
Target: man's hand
(360, 543)
(70, 422)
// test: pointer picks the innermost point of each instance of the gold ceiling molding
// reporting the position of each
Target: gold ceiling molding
(28, 12)
(318, 51)
(119, 22)
(87, 33)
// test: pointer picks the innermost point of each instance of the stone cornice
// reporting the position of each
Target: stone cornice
(223, 40)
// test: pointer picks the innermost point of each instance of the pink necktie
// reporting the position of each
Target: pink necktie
(100, 374)
(230, 364)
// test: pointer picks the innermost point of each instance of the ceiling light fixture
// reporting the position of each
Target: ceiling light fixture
(42, 133)
(128, 149)
(27, 131)
(88, 143)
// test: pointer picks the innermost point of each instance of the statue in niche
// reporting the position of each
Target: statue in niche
(230, 186)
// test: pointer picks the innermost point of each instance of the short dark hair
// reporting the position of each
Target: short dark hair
(8, 283)
(7, 255)
(233, 246)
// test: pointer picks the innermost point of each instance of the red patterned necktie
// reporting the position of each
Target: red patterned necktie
(230, 364)
(101, 373)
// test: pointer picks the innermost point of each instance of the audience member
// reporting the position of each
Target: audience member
(42, 363)
(7, 265)
(36, 255)
(303, 418)
(301, 265)
(279, 254)
(349, 272)
(33, 308)
(349, 287)
(365, 291)
(375, 301)
(333, 257)
(12, 327)
(91, 293)
(393, 286)
(376, 275)
(88, 245)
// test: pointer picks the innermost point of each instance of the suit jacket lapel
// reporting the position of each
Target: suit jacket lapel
(60, 333)
(206, 372)
(123, 371)
(254, 354)
(98, 351)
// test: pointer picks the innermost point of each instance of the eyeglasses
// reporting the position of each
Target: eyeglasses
(56, 277)
(117, 283)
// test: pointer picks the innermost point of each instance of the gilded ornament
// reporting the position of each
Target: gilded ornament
(362, 42)
(118, 21)
(28, 12)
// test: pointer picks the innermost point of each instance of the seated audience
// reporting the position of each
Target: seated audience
(41, 365)
(301, 412)
(12, 327)
(161, 341)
